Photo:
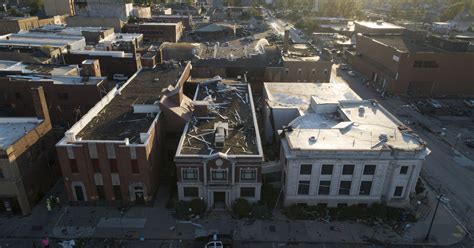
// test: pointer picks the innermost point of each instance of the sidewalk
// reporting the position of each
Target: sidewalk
(156, 223)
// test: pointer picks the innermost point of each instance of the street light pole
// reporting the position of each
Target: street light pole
(432, 219)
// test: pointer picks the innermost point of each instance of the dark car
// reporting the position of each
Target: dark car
(469, 142)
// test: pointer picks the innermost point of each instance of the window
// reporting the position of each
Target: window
(1, 173)
(348, 169)
(305, 169)
(219, 175)
(96, 165)
(249, 175)
(326, 169)
(430, 64)
(191, 192)
(63, 96)
(404, 170)
(18, 95)
(247, 192)
(365, 187)
(73, 165)
(369, 169)
(113, 165)
(287, 71)
(300, 71)
(398, 191)
(325, 71)
(135, 168)
(418, 64)
(324, 187)
(303, 188)
(313, 71)
(345, 187)
(100, 192)
(117, 192)
(190, 174)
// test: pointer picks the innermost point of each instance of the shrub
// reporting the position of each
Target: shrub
(182, 211)
(197, 206)
(420, 187)
(260, 211)
(241, 208)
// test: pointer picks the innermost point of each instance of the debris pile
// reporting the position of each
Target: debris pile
(228, 126)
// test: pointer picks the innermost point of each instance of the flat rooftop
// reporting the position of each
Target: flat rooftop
(404, 45)
(159, 24)
(13, 129)
(229, 102)
(333, 117)
(353, 125)
(379, 25)
(298, 95)
(59, 79)
(117, 120)
(30, 68)
(39, 40)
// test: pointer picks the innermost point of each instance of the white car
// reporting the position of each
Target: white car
(120, 77)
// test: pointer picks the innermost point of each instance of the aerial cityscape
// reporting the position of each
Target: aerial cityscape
(237, 123)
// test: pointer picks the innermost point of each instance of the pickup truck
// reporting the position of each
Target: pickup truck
(214, 241)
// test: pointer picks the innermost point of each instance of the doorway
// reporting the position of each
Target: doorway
(139, 195)
(219, 199)
(79, 193)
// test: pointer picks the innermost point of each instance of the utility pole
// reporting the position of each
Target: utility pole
(432, 219)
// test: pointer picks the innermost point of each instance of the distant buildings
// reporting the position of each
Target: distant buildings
(70, 92)
(378, 27)
(157, 32)
(339, 150)
(16, 24)
(59, 7)
(219, 155)
(27, 169)
(415, 64)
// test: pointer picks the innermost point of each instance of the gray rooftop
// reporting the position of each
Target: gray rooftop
(117, 120)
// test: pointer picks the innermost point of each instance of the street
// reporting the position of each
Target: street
(442, 169)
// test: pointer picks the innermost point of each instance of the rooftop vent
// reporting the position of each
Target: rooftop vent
(383, 137)
(361, 110)
(312, 140)
(221, 131)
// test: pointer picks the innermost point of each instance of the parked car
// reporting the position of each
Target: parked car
(214, 241)
(469, 142)
(469, 103)
(434, 103)
(120, 77)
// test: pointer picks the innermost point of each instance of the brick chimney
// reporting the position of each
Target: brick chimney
(39, 101)
(90, 68)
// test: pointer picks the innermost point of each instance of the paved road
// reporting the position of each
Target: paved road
(441, 168)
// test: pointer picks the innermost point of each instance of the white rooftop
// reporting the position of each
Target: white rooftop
(39, 40)
(379, 25)
(12, 129)
(298, 95)
(333, 117)
(60, 79)
(353, 125)
(13, 66)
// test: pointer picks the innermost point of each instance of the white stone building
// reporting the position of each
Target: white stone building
(339, 149)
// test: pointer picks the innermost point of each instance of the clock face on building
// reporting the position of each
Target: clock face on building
(219, 162)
